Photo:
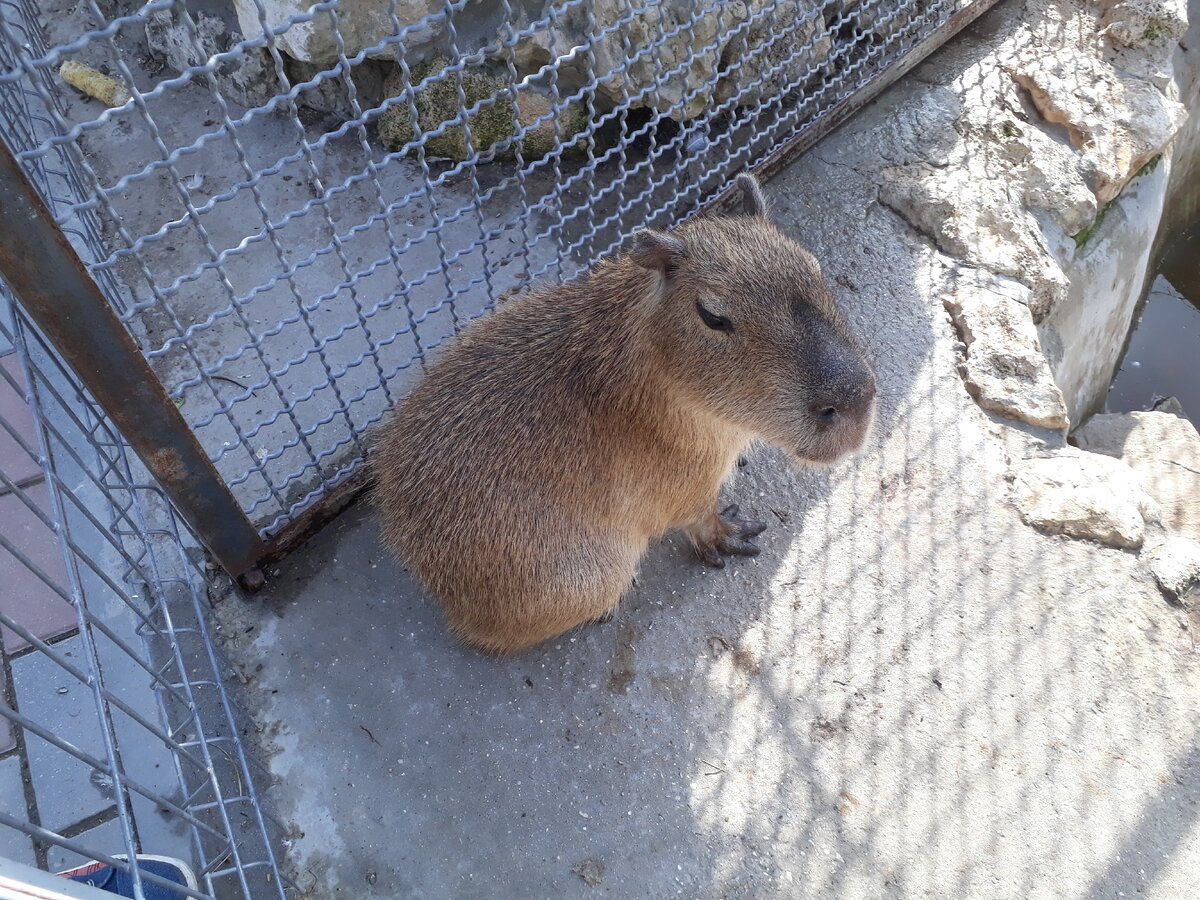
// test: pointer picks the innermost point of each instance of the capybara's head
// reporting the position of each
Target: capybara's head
(747, 328)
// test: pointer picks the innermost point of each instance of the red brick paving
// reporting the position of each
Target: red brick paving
(23, 596)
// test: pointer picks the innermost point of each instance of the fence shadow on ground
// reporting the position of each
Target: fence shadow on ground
(909, 692)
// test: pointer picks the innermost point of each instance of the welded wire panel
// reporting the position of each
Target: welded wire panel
(294, 205)
(117, 733)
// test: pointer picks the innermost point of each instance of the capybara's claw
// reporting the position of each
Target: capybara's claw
(734, 538)
(752, 528)
(711, 556)
(743, 528)
(739, 547)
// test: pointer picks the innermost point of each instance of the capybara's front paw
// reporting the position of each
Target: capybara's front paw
(730, 535)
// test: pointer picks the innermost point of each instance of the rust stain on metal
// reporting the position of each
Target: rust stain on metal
(167, 463)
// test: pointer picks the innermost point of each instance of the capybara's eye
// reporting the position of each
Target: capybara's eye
(712, 320)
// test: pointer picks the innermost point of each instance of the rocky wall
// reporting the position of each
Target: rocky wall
(1049, 169)
(1053, 183)
(1108, 268)
(678, 58)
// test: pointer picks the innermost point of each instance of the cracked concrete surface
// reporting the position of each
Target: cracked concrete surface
(910, 693)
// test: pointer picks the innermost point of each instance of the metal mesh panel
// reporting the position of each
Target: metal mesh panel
(292, 213)
(117, 734)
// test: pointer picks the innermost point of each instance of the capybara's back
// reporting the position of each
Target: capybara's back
(523, 478)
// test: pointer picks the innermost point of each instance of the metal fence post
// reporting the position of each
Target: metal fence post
(54, 288)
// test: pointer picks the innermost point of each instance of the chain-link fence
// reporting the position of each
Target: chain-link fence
(290, 206)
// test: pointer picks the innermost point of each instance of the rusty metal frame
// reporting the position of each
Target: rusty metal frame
(53, 286)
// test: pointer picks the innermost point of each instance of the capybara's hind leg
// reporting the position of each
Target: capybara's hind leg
(583, 582)
(537, 619)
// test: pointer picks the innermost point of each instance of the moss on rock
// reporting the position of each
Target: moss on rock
(539, 136)
(490, 125)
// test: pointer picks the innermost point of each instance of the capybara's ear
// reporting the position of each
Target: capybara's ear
(753, 201)
(657, 251)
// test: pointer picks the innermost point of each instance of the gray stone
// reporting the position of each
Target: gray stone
(439, 102)
(713, 53)
(1117, 122)
(756, 66)
(331, 95)
(249, 80)
(168, 34)
(66, 788)
(1169, 405)
(545, 122)
(994, 231)
(1116, 148)
(529, 114)
(1083, 495)
(691, 56)
(14, 844)
(362, 24)
(1144, 23)
(1050, 129)
(1164, 450)
(1005, 369)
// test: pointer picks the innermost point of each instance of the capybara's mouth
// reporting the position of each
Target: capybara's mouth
(827, 445)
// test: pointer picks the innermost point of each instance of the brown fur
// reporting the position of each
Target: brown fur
(524, 477)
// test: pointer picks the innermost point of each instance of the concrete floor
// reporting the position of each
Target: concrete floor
(949, 706)
(909, 693)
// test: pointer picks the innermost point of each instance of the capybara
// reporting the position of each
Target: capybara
(524, 477)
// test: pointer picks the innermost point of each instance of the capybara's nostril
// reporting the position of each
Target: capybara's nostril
(849, 409)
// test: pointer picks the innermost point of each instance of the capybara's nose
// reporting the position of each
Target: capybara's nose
(846, 401)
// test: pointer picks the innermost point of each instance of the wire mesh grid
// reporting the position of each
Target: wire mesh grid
(117, 733)
(293, 205)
